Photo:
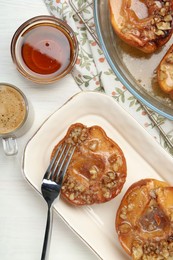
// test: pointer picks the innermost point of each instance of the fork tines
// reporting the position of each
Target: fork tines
(60, 162)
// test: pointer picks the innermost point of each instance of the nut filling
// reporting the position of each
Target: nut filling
(144, 220)
(97, 171)
(153, 250)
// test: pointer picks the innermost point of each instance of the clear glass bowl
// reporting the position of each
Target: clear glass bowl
(134, 69)
(44, 49)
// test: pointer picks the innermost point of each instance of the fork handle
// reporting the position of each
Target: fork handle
(47, 233)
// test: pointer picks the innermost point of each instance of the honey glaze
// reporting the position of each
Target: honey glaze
(142, 68)
(46, 50)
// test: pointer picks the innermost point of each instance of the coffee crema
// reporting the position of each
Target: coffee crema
(12, 109)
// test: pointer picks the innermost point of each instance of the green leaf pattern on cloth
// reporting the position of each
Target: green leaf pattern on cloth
(92, 72)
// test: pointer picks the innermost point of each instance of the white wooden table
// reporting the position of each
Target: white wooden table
(22, 211)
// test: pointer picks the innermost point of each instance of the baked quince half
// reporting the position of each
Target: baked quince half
(144, 24)
(144, 220)
(165, 72)
(97, 170)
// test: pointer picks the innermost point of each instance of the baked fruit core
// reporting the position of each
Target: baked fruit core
(144, 220)
(153, 219)
(97, 170)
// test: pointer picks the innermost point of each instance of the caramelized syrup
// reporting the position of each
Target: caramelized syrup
(142, 69)
(46, 50)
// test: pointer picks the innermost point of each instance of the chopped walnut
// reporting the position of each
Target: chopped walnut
(107, 194)
(112, 175)
(130, 207)
(137, 252)
(72, 196)
(168, 18)
(163, 26)
(125, 228)
(123, 213)
(78, 135)
(93, 172)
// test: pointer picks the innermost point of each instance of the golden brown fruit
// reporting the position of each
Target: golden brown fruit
(144, 220)
(165, 72)
(97, 171)
(146, 25)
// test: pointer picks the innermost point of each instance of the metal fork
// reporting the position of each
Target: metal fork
(52, 183)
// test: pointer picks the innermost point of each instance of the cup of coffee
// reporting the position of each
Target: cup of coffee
(13, 116)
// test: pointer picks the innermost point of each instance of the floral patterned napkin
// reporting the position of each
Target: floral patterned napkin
(92, 71)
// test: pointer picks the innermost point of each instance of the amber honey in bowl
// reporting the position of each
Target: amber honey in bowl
(44, 49)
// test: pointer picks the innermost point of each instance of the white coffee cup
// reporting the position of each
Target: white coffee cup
(14, 110)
